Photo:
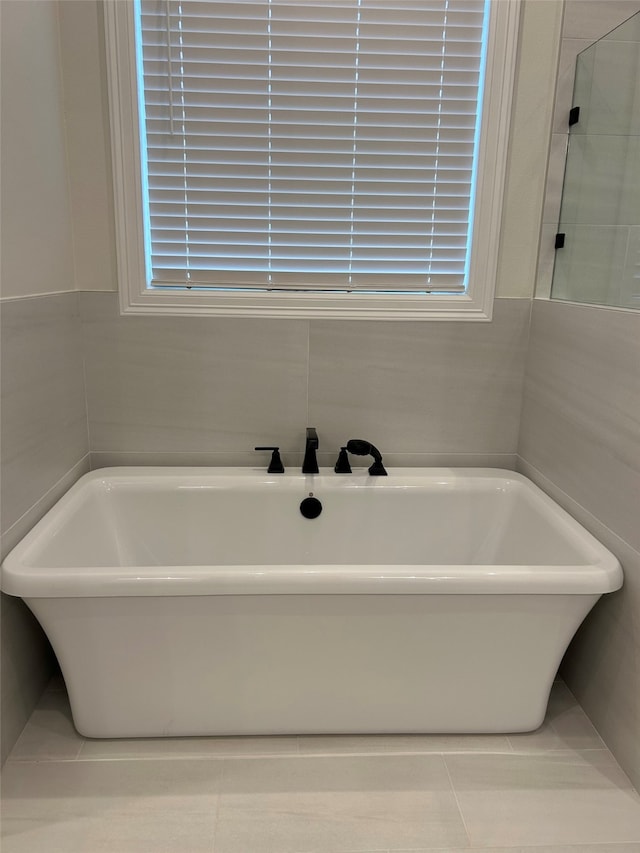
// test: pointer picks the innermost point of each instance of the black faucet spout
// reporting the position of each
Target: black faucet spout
(359, 447)
(310, 463)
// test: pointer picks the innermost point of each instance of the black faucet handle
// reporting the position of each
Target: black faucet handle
(342, 466)
(312, 438)
(275, 465)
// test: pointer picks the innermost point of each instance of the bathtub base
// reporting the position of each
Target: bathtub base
(312, 664)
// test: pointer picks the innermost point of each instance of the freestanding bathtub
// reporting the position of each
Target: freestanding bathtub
(195, 601)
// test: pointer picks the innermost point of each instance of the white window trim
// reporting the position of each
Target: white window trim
(476, 304)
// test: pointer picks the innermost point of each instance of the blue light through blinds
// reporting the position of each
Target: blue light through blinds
(311, 145)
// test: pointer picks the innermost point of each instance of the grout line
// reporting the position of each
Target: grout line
(81, 751)
(455, 796)
(83, 351)
(24, 297)
(216, 813)
(259, 756)
(103, 759)
(525, 371)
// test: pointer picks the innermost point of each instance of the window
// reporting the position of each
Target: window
(321, 158)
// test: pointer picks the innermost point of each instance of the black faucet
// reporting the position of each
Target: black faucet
(310, 464)
(359, 447)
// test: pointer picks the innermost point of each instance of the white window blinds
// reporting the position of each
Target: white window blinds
(317, 144)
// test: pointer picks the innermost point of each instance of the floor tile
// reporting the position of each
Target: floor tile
(55, 789)
(110, 806)
(549, 798)
(166, 832)
(50, 733)
(336, 804)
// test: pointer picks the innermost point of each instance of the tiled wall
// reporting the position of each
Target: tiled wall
(580, 433)
(580, 440)
(171, 390)
(44, 450)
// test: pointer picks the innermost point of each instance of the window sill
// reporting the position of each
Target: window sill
(347, 306)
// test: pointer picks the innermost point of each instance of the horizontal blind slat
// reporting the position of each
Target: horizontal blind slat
(384, 280)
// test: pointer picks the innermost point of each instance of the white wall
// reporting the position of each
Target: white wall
(88, 148)
(37, 250)
(528, 149)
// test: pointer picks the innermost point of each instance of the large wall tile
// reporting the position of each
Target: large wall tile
(23, 525)
(602, 180)
(581, 414)
(44, 421)
(44, 449)
(27, 662)
(569, 50)
(421, 387)
(192, 384)
(601, 665)
(555, 179)
(612, 108)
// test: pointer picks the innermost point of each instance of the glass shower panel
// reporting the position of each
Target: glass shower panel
(600, 214)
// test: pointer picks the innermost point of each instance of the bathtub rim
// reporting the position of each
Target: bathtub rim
(602, 575)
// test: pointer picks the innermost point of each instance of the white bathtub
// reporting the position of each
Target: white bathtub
(199, 601)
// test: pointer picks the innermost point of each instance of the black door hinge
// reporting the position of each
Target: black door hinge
(574, 116)
(559, 244)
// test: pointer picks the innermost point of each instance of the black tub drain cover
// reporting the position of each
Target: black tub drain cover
(311, 507)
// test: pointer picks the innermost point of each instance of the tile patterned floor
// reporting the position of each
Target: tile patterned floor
(556, 790)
